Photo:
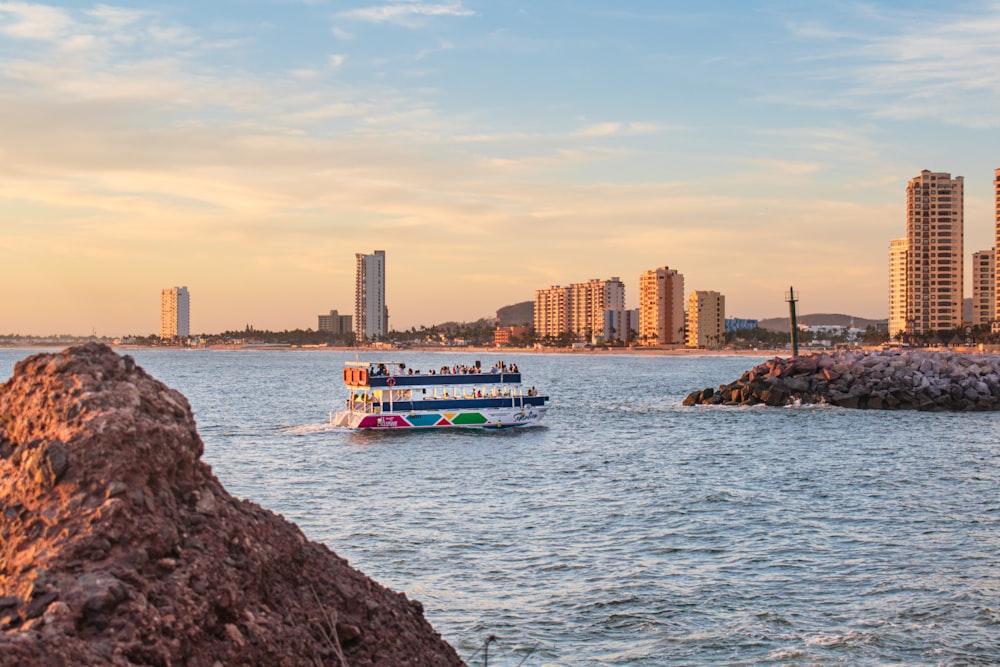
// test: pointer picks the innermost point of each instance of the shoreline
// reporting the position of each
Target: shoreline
(637, 351)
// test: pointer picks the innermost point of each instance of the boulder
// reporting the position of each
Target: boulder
(119, 547)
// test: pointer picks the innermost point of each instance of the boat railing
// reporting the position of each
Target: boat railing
(438, 380)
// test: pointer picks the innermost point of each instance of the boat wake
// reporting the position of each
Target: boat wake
(309, 429)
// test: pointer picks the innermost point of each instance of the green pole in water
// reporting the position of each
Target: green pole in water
(792, 324)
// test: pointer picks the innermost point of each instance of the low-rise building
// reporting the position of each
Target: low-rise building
(336, 323)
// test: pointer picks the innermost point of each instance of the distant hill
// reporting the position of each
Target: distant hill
(519, 313)
(482, 322)
(819, 320)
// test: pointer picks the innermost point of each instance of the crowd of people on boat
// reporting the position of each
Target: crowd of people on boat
(499, 367)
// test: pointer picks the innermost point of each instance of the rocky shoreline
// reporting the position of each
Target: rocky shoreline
(118, 546)
(874, 380)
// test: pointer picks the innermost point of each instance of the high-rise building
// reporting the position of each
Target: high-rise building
(661, 307)
(371, 317)
(175, 313)
(706, 319)
(983, 287)
(592, 312)
(552, 312)
(996, 244)
(934, 265)
(897, 287)
(335, 323)
(594, 307)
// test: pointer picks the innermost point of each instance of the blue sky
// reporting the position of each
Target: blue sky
(247, 149)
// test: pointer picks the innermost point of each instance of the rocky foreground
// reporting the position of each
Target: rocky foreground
(879, 380)
(119, 547)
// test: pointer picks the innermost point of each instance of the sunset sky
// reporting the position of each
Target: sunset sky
(249, 148)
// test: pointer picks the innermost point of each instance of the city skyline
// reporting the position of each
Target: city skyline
(249, 150)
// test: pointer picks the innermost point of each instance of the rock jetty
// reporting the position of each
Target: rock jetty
(875, 380)
(119, 547)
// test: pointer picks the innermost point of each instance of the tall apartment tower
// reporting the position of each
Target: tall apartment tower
(371, 317)
(983, 287)
(996, 255)
(592, 311)
(594, 307)
(175, 313)
(934, 266)
(706, 319)
(661, 307)
(551, 312)
(897, 287)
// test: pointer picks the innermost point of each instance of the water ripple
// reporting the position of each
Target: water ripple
(630, 531)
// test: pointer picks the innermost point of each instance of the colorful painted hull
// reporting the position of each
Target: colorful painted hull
(465, 418)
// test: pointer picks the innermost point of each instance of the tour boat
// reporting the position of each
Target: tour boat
(388, 395)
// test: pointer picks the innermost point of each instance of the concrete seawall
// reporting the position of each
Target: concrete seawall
(876, 380)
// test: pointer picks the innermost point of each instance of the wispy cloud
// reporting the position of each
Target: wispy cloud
(790, 168)
(22, 20)
(404, 13)
(939, 65)
(617, 129)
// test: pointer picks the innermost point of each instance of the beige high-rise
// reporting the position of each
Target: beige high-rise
(706, 319)
(983, 287)
(996, 255)
(934, 266)
(661, 307)
(591, 312)
(897, 287)
(551, 312)
(175, 313)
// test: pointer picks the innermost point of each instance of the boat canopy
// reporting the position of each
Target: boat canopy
(369, 375)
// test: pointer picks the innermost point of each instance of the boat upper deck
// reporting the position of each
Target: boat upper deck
(369, 375)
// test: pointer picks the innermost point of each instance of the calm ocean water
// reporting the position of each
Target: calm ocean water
(630, 531)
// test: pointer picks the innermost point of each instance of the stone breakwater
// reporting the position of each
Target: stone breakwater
(875, 380)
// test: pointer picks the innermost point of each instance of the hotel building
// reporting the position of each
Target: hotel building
(897, 287)
(934, 264)
(371, 317)
(593, 311)
(175, 313)
(661, 307)
(706, 319)
(983, 287)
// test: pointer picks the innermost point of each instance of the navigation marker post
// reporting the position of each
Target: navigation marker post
(793, 325)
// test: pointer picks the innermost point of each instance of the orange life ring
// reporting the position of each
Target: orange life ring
(391, 382)
(362, 376)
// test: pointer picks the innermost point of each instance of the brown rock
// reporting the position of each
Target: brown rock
(122, 548)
